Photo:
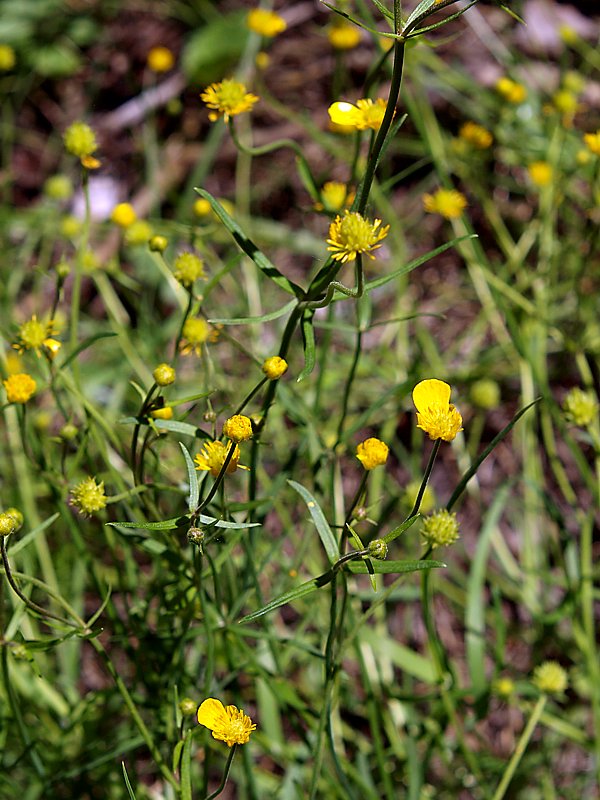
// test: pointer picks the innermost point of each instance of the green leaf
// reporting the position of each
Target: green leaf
(248, 246)
(321, 524)
(186, 772)
(404, 526)
(294, 594)
(84, 345)
(462, 485)
(183, 428)
(194, 492)
(180, 522)
(308, 337)
(254, 320)
(55, 60)
(127, 784)
(393, 567)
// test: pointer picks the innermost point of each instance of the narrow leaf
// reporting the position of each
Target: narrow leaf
(404, 526)
(194, 492)
(186, 772)
(327, 537)
(179, 522)
(254, 320)
(127, 784)
(393, 567)
(84, 345)
(294, 594)
(308, 336)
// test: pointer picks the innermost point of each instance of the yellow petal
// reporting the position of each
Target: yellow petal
(431, 393)
(210, 713)
(342, 113)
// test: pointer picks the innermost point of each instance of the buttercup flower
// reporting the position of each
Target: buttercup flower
(19, 387)
(238, 428)
(440, 529)
(343, 36)
(511, 91)
(36, 335)
(7, 58)
(123, 215)
(476, 135)
(504, 687)
(266, 23)
(164, 375)
(160, 59)
(80, 141)
(188, 268)
(196, 331)
(227, 723)
(352, 235)
(435, 413)
(580, 407)
(540, 173)
(158, 244)
(166, 412)
(88, 496)
(274, 367)
(550, 678)
(228, 98)
(335, 196)
(202, 207)
(362, 116)
(372, 453)
(212, 457)
(592, 141)
(447, 202)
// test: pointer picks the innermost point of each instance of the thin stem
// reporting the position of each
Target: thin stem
(249, 396)
(426, 476)
(217, 483)
(520, 748)
(225, 774)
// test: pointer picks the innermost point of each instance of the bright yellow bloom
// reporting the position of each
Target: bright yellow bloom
(238, 428)
(476, 135)
(343, 36)
(228, 98)
(440, 529)
(7, 58)
(504, 687)
(372, 453)
(565, 101)
(448, 202)
(580, 407)
(592, 141)
(80, 140)
(164, 375)
(188, 268)
(550, 678)
(158, 244)
(511, 91)
(274, 367)
(88, 496)
(139, 232)
(36, 335)
(166, 412)
(435, 413)
(160, 59)
(352, 235)
(212, 457)
(202, 207)
(123, 215)
(266, 23)
(362, 116)
(227, 724)
(540, 173)
(19, 387)
(335, 197)
(196, 331)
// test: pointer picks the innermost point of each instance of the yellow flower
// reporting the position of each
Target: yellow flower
(36, 335)
(504, 687)
(228, 98)
(592, 141)
(228, 724)
(362, 116)
(139, 232)
(166, 412)
(265, 22)
(540, 173)
(372, 453)
(352, 235)
(202, 207)
(123, 215)
(196, 331)
(88, 496)
(440, 529)
(448, 202)
(435, 413)
(7, 58)
(476, 135)
(160, 59)
(164, 375)
(274, 367)
(343, 36)
(238, 428)
(80, 140)
(212, 457)
(335, 197)
(19, 387)
(550, 678)
(511, 91)
(262, 60)
(188, 268)
(580, 407)
(565, 101)
(158, 244)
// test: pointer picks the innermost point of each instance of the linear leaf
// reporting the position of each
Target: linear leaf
(178, 522)
(84, 345)
(294, 594)
(323, 529)
(393, 567)
(194, 492)
(254, 320)
(308, 336)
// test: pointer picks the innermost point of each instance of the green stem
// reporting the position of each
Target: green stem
(520, 749)
(217, 483)
(426, 476)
